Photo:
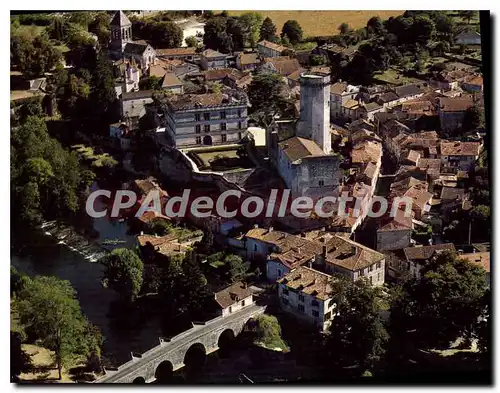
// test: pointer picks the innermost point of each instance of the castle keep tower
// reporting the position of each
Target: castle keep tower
(121, 31)
(314, 120)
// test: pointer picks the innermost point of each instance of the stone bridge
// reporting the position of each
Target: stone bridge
(171, 354)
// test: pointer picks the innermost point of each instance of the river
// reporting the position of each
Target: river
(63, 253)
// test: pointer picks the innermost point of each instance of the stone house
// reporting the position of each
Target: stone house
(141, 52)
(460, 155)
(352, 260)
(468, 38)
(340, 93)
(205, 119)
(161, 246)
(247, 61)
(305, 294)
(451, 112)
(185, 54)
(234, 298)
(416, 257)
(283, 65)
(172, 83)
(270, 49)
(394, 233)
(211, 59)
(133, 106)
(473, 84)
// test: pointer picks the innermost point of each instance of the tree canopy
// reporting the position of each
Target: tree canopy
(268, 30)
(293, 31)
(48, 309)
(124, 272)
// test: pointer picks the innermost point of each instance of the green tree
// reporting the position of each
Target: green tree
(251, 23)
(191, 41)
(344, 28)
(151, 83)
(268, 30)
(375, 26)
(166, 35)
(467, 15)
(268, 333)
(293, 31)
(103, 94)
(442, 305)
(19, 360)
(265, 95)
(237, 270)
(358, 336)
(101, 28)
(474, 118)
(317, 60)
(124, 272)
(33, 56)
(82, 18)
(423, 29)
(49, 310)
(216, 36)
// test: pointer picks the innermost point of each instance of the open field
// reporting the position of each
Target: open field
(43, 367)
(316, 23)
(206, 157)
(393, 77)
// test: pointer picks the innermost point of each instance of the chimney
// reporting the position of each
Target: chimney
(255, 225)
(270, 229)
(142, 233)
(245, 285)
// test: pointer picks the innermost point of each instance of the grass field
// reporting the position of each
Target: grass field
(390, 76)
(316, 23)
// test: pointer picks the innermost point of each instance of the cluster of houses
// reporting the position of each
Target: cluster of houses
(335, 144)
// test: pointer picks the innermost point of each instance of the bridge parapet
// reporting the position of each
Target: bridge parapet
(174, 349)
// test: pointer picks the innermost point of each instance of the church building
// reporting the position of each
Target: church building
(122, 46)
(305, 161)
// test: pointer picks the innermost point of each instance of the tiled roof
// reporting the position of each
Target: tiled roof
(135, 48)
(170, 79)
(296, 148)
(221, 73)
(425, 252)
(366, 151)
(372, 106)
(350, 255)
(272, 45)
(400, 222)
(362, 134)
(308, 281)
(284, 67)
(120, 19)
(454, 104)
(249, 58)
(474, 80)
(210, 53)
(389, 97)
(460, 148)
(408, 90)
(137, 95)
(176, 52)
(338, 88)
(350, 104)
(147, 185)
(418, 107)
(191, 101)
(468, 35)
(157, 70)
(233, 294)
(290, 249)
(452, 193)
(413, 156)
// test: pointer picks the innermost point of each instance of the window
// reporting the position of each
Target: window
(198, 128)
(279, 273)
(242, 303)
(285, 291)
(321, 183)
(372, 267)
(206, 128)
(300, 307)
(197, 117)
(361, 273)
(223, 115)
(206, 116)
(223, 126)
(255, 247)
(230, 309)
(198, 140)
(224, 137)
(371, 279)
(315, 313)
(328, 315)
(379, 265)
(239, 112)
(239, 125)
(239, 135)
(301, 298)
(315, 303)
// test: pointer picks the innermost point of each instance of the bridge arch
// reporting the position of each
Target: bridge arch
(164, 372)
(195, 358)
(139, 380)
(226, 342)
